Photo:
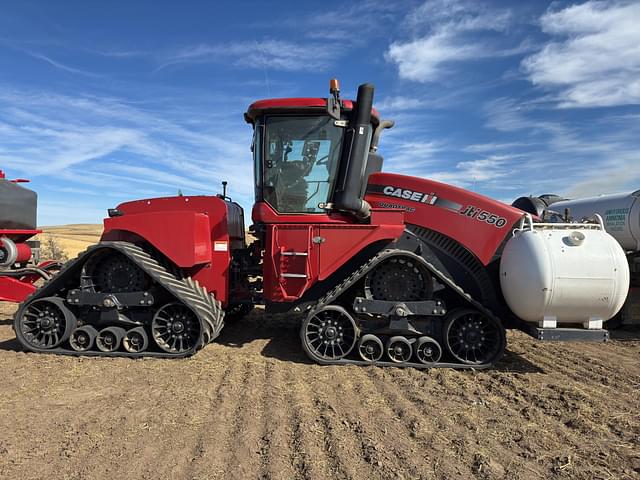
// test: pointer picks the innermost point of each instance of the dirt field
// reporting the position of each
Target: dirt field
(252, 406)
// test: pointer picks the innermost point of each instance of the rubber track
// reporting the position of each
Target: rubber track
(366, 268)
(203, 304)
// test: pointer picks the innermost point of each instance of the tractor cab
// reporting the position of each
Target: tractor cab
(311, 157)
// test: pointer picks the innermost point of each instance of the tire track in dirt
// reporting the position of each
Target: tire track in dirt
(427, 430)
(570, 429)
(386, 443)
(468, 416)
(219, 439)
(166, 447)
(275, 440)
(198, 450)
(245, 427)
(355, 455)
(603, 383)
(308, 450)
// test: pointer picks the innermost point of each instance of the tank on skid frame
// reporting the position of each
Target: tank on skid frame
(620, 216)
(382, 268)
(20, 266)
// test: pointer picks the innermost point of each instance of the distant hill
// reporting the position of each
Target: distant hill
(72, 239)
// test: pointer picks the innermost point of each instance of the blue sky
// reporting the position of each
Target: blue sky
(102, 102)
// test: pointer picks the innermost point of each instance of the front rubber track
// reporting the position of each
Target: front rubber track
(206, 308)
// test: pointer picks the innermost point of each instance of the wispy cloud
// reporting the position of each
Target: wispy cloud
(122, 150)
(445, 34)
(594, 57)
(59, 65)
(276, 54)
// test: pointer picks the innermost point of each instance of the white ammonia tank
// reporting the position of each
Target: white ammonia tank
(567, 273)
(620, 212)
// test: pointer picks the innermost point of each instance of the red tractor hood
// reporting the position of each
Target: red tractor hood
(479, 223)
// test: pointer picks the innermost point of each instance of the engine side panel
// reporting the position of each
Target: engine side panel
(477, 222)
(297, 256)
(195, 233)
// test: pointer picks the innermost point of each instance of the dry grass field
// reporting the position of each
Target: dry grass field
(251, 406)
(72, 239)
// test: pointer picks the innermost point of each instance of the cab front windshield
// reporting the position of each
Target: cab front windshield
(301, 157)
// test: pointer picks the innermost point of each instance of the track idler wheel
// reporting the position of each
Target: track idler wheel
(428, 351)
(474, 338)
(45, 323)
(135, 340)
(82, 338)
(329, 333)
(109, 339)
(399, 349)
(175, 328)
(370, 348)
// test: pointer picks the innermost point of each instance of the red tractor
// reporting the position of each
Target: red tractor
(382, 268)
(20, 268)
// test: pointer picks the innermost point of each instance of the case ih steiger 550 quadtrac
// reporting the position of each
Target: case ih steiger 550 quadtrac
(382, 268)
(20, 266)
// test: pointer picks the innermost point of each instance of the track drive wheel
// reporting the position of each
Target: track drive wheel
(474, 338)
(328, 334)
(45, 323)
(398, 279)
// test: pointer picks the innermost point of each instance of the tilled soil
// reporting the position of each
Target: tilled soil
(251, 406)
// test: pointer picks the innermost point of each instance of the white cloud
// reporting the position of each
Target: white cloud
(445, 33)
(494, 146)
(399, 103)
(122, 150)
(273, 54)
(595, 55)
(485, 172)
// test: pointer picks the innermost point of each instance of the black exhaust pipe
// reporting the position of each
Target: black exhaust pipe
(351, 171)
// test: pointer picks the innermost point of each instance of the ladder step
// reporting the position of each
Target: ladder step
(295, 254)
(293, 275)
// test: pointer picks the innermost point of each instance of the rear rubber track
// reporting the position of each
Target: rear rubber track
(189, 292)
(358, 274)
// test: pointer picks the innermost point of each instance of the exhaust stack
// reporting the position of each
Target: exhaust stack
(347, 194)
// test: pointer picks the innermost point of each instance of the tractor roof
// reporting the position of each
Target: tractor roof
(305, 105)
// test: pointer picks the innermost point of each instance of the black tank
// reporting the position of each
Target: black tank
(18, 207)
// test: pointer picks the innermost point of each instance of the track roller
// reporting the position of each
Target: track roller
(135, 340)
(399, 349)
(329, 333)
(45, 323)
(370, 348)
(82, 338)
(472, 337)
(109, 339)
(428, 351)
